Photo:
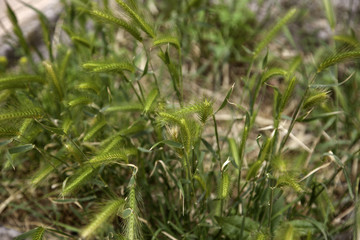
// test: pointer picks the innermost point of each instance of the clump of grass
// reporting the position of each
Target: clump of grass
(114, 115)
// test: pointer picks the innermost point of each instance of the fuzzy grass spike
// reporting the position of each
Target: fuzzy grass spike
(338, 58)
(111, 19)
(109, 210)
(271, 34)
(137, 18)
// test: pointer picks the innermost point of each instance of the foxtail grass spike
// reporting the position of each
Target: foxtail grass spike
(315, 99)
(225, 185)
(94, 129)
(41, 174)
(132, 223)
(109, 67)
(274, 30)
(78, 180)
(111, 19)
(8, 132)
(286, 180)
(110, 157)
(150, 100)
(19, 81)
(137, 18)
(38, 234)
(21, 114)
(338, 58)
(54, 78)
(129, 107)
(109, 210)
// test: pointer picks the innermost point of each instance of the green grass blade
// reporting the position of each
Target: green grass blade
(234, 151)
(167, 40)
(150, 100)
(329, 11)
(45, 26)
(17, 30)
(271, 73)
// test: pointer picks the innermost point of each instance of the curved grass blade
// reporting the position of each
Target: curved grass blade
(167, 40)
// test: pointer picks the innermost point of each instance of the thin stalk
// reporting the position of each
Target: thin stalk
(188, 178)
(220, 162)
(247, 78)
(155, 78)
(217, 140)
(271, 206)
(356, 211)
(295, 115)
(333, 45)
(181, 80)
(152, 68)
(136, 93)
(141, 91)
(245, 212)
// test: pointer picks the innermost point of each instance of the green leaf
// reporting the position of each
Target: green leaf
(6, 142)
(150, 100)
(234, 151)
(329, 11)
(167, 40)
(271, 73)
(346, 174)
(17, 30)
(265, 60)
(169, 143)
(231, 226)
(225, 101)
(262, 156)
(45, 26)
(21, 149)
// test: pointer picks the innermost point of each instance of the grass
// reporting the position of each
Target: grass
(134, 129)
